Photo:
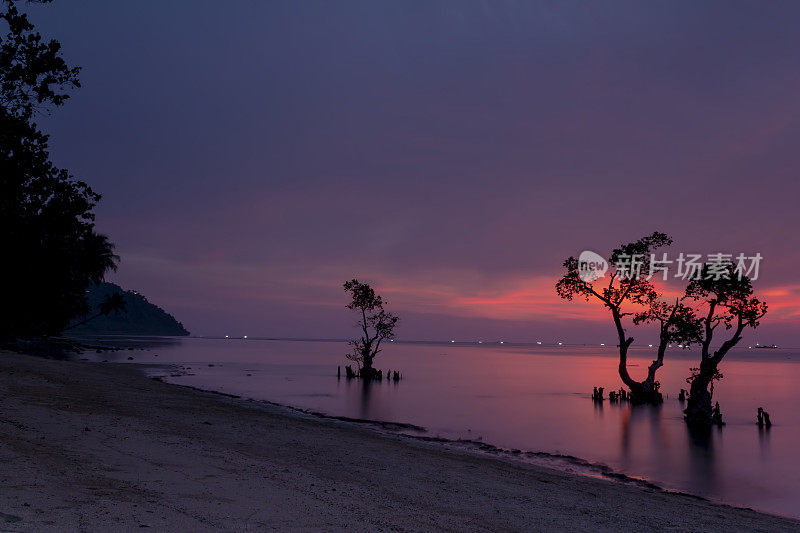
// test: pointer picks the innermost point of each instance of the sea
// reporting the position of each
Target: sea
(529, 402)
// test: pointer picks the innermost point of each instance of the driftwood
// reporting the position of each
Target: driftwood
(621, 395)
(763, 418)
(376, 375)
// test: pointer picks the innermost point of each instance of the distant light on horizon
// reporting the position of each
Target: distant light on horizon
(538, 342)
(650, 345)
(602, 344)
(560, 343)
(244, 337)
(501, 342)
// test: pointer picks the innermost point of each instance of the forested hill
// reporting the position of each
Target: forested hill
(139, 317)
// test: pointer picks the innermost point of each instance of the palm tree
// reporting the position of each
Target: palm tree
(113, 303)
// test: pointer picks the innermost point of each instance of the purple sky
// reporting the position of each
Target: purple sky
(254, 155)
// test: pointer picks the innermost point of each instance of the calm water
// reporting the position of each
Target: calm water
(535, 398)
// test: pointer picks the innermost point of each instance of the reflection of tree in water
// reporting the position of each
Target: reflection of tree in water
(361, 390)
(763, 442)
(366, 387)
(637, 415)
(702, 460)
(701, 467)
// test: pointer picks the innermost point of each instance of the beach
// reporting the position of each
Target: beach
(100, 446)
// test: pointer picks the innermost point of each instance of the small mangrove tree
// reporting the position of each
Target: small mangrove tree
(375, 325)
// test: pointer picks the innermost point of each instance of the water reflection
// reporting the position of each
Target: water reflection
(360, 395)
(702, 460)
(535, 399)
(763, 442)
(366, 386)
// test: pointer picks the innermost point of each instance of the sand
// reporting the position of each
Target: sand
(101, 447)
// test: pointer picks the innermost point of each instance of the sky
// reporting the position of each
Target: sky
(252, 156)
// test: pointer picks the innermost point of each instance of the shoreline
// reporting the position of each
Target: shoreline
(594, 470)
(585, 467)
(89, 445)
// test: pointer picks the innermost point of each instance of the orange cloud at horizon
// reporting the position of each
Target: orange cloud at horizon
(522, 299)
(458, 293)
(535, 298)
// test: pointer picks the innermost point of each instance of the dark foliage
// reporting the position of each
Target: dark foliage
(46, 220)
(112, 303)
(634, 296)
(727, 302)
(709, 301)
(375, 324)
(115, 311)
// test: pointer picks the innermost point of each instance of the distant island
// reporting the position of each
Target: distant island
(139, 317)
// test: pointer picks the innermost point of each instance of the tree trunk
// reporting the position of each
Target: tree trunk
(647, 391)
(698, 412)
(82, 322)
(641, 391)
(644, 391)
(366, 368)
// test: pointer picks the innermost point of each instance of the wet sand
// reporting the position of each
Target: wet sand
(99, 446)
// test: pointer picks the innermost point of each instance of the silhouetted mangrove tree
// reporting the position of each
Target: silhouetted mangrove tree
(375, 323)
(727, 302)
(620, 291)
